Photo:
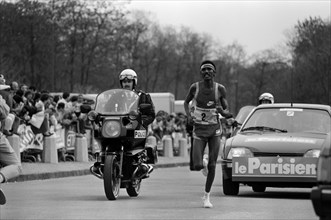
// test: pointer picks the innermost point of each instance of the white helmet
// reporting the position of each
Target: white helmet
(266, 97)
(129, 74)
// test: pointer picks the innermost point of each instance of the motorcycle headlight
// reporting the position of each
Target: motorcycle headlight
(239, 152)
(111, 129)
(312, 153)
(92, 115)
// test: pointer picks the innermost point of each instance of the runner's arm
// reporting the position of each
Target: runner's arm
(189, 97)
(224, 111)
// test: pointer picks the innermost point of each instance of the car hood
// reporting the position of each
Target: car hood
(277, 142)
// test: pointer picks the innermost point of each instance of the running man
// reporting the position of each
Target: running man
(209, 100)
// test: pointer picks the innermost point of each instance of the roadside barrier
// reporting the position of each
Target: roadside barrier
(183, 152)
(167, 146)
(14, 141)
(49, 153)
(151, 140)
(78, 146)
(81, 151)
(30, 147)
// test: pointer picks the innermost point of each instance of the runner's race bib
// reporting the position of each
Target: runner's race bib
(205, 116)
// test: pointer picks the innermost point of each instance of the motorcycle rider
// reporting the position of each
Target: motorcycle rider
(128, 80)
(266, 98)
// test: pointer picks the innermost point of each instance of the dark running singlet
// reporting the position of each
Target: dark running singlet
(205, 116)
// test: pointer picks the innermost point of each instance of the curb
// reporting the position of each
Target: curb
(82, 172)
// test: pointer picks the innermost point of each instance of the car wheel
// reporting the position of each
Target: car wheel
(259, 188)
(230, 188)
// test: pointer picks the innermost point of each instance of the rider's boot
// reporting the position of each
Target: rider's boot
(95, 169)
(144, 170)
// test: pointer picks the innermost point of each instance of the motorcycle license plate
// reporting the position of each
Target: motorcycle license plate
(139, 134)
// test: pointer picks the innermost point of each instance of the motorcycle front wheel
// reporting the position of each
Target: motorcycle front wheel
(133, 188)
(111, 177)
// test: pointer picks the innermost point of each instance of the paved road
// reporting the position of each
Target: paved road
(171, 193)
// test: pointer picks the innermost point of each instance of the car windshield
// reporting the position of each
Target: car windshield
(289, 120)
(116, 101)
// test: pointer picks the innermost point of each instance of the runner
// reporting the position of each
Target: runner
(209, 99)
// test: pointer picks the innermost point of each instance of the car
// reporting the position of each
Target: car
(321, 194)
(278, 145)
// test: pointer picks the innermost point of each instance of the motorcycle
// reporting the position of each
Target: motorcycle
(118, 129)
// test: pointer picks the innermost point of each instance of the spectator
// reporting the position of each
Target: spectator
(74, 114)
(18, 97)
(59, 115)
(40, 120)
(50, 110)
(24, 88)
(11, 166)
(14, 87)
(71, 104)
(170, 124)
(56, 99)
(157, 128)
(65, 99)
(7, 96)
(80, 99)
(36, 97)
(5, 92)
(29, 104)
(33, 89)
(18, 102)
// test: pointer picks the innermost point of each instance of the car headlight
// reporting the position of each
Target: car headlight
(312, 153)
(111, 129)
(323, 169)
(239, 152)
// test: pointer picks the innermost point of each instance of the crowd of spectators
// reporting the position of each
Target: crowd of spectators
(44, 112)
(172, 125)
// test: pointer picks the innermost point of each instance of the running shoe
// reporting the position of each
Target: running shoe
(206, 202)
(2, 198)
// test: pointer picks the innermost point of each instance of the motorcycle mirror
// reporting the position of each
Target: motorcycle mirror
(133, 115)
(92, 115)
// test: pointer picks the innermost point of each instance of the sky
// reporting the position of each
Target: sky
(256, 25)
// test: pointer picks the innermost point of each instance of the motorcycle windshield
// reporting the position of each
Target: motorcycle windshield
(116, 102)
